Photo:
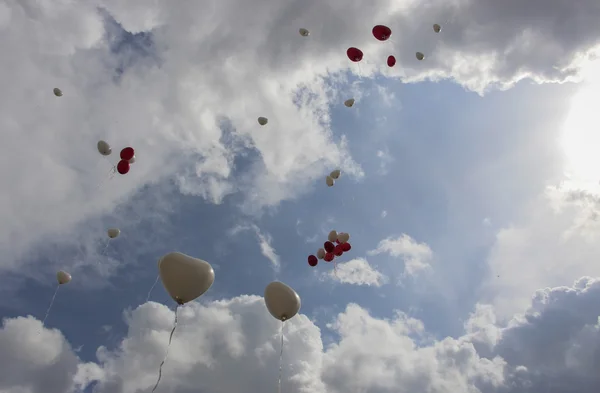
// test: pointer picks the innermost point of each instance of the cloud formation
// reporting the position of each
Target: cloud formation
(233, 346)
(416, 256)
(357, 271)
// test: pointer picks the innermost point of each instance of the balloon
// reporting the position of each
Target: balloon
(127, 153)
(123, 167)
(332, 236)
(420, 56)
(185, 278)
(354, 54)
(312, 260)
(437, 28)
(320, 253)
(343, 237)
(335, 175)
(262, 121)
(104, 148)
(346, 247)
(132, 160)
(328, 257)
(63, 277)
(329, 181)
(349, 102)
(113, 232)
(282, 301)
(391, 61)
(303, 32)
(328, 246)
(57, 92)
(382, 32)
(338, 251)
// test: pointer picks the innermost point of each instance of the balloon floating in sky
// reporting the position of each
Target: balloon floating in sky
(332, 237)
(127, 153)
(349, 102)
(104, 148)
(57, 92)
(437, 28)
(331, 250)
(185, 278)
(132, 160)
(113, 232)
(262, 121)
(420, 56)
(123, 167)
(312, 260)
(303, 32)
(63, 277)
(391, 61)
(329, 181)
(354, 54)
(335, 174)
(282, 301)
(382, 32)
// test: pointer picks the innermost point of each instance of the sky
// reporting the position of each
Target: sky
(469, 186)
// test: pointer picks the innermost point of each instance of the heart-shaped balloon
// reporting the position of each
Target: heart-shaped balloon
(282, 301)
(185, 278)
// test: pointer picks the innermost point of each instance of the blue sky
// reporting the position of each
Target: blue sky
(470, 179)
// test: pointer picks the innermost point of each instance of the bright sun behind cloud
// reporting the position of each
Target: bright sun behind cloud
(581, 135)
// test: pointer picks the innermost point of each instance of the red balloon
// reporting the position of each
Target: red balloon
(338, 251)
(391, 61)
(127, 153)
(382, 32)
(123, 167)
(312, 260)
(328, 257)
(346, 247)
(328, 246)
(354, 54)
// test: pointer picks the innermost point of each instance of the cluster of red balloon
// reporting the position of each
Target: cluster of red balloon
(127, 158)
(381, 33)
(331, 250)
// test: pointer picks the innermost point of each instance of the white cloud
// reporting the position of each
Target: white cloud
(417, 256)
(233, 346)
(264, 241)
(357, 271)
(385, 159)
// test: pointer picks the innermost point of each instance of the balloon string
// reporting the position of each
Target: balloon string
(107, 177)
(280, 357)
(104, 249)
(51, 303)
(151, 289)
(167, 354)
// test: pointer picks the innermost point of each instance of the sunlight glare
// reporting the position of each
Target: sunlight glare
(581, 132)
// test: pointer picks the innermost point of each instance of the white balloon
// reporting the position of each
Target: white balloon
(282, 301)
(185, 278)
(332, 236)
(303, 32)
(343, 237)
(437, 28)
(132, 159)
(63, 277)
(349, 102)
(57, 92)
(262, 121)
(329, 181)
(320, 253)
(113, 232)
(420, 56)
(335, 174)
(104, 148)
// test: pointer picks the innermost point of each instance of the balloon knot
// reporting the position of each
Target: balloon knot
(179, 301)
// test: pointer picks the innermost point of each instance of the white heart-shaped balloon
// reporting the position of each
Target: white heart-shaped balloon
(63, 277)
(185, 278)
(282, 301)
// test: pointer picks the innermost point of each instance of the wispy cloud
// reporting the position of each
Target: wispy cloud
(357, 272)
(417, 256)
(264, 241)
